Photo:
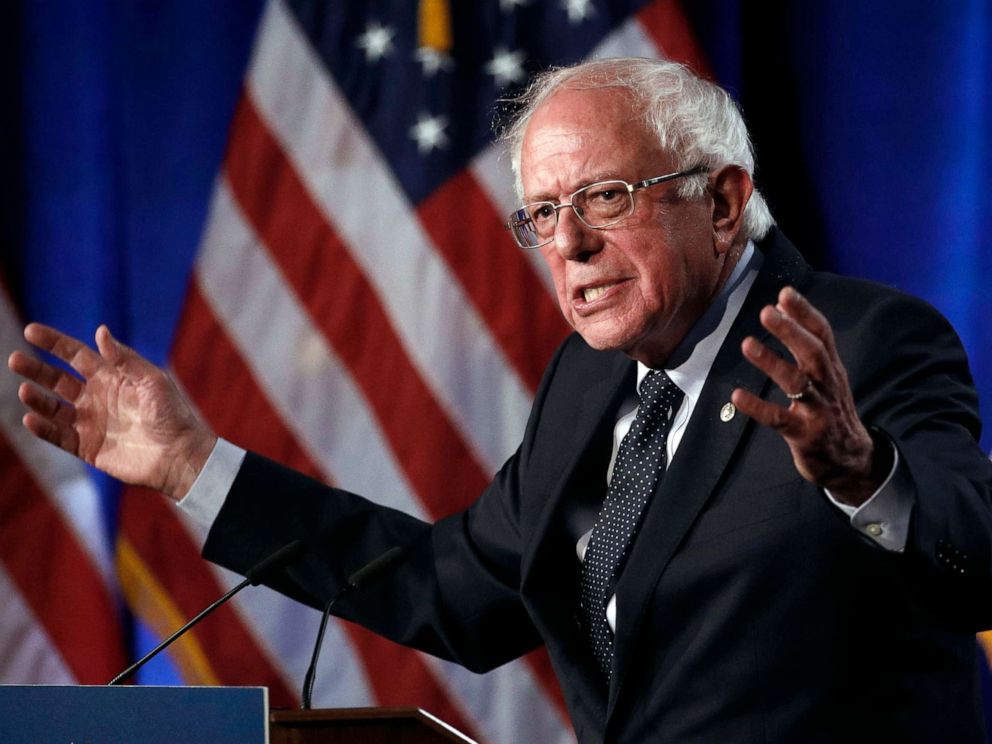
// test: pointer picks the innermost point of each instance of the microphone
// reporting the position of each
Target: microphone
(364, 576)
(255, 575)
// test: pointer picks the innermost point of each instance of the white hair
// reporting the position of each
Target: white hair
(696, 121)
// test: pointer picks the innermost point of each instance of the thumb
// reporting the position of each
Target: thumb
(109, 347)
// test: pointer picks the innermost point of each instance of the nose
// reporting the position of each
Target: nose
(574, 240)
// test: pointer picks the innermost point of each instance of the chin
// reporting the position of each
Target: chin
(597, 343)
(621, 330)
(601, 341)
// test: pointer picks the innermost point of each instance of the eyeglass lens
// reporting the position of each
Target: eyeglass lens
(597, 205)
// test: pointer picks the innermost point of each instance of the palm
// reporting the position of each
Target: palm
(122, 422)
(125, 416)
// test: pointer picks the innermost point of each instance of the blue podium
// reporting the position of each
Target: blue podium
(43, 714)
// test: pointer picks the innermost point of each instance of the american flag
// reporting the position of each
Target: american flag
(355, 311)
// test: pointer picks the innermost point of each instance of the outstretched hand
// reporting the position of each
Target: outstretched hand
(122, 414)
(830, 445)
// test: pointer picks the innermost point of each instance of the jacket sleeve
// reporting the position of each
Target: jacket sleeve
(912, 381)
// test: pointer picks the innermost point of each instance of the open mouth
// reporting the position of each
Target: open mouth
(591, 294)
(594, 293)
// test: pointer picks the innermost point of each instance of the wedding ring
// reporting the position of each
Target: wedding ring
(801, 395)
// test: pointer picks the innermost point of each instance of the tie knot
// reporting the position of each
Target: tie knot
(657, 388)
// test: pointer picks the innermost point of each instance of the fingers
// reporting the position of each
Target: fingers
(765, 413)
(49, 418)
(51, 378)
(807, 350)
(794, 305)
(73, 352)
(787, 376)
(58, 434)
(807, 335)
(46, 405)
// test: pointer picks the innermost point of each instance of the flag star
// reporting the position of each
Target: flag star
(506, 67)
(377, 41)
(431, 60)
(429, 134)
(578, 10)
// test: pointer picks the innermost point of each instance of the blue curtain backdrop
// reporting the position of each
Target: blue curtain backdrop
(872, 123)
(118, 127)
(873, 127)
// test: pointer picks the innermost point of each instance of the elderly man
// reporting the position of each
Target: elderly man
(748, 506)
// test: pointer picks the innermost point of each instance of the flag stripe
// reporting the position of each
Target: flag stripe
(29, 655)
(286, 630)
(508, 700)
(149, 600)
(632, 38)
(441, 332)
(491, 170)
(151, 526)
(214, 382)
(665, 22)
(292, 363)
(495, 272)
(343, 305)
(79, 618)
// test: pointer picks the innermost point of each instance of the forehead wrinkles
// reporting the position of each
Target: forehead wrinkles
(561, 164)
(578, 137)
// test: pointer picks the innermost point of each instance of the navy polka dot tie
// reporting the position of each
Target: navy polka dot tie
(639, 465)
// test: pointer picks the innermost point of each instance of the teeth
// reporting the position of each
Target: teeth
(594, 293)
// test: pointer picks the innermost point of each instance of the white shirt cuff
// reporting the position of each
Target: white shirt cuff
(885, 516)
(205, 498)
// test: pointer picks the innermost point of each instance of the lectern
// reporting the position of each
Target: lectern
(45, 714)
(364, 725)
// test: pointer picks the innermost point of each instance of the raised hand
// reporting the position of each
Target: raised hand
(122, 414)
(830, 445)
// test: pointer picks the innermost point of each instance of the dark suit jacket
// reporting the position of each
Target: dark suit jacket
(749, 610)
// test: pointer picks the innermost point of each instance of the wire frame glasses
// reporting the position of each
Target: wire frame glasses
(597, 205)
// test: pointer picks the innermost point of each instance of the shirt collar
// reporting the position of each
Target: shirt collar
(690, 363)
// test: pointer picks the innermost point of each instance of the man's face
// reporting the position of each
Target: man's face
(640, 285)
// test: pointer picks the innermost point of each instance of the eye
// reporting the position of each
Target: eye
(605, 194)
(541, 212)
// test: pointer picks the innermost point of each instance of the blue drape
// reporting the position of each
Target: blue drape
(120, 115)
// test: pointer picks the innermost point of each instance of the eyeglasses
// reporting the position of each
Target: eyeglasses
(597, 205)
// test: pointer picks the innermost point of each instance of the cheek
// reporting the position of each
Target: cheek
(556, 267)
(563, 302)
(665, 274)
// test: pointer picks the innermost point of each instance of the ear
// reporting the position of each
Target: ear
(730, 188)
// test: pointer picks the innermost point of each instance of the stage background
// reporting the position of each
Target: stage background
(277, 226)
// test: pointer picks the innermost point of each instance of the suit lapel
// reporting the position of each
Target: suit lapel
(548, 570)
(702, 457)
(595, 408)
